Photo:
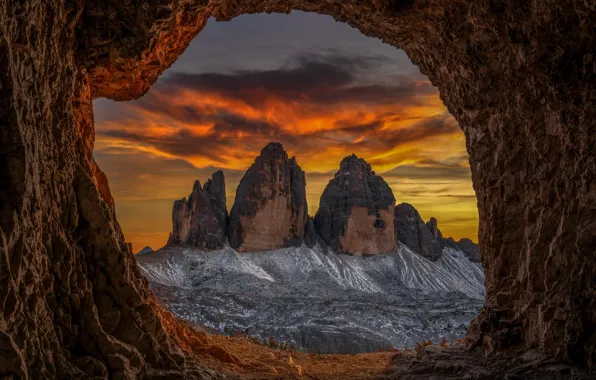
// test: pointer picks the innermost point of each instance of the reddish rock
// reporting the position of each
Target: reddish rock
(519, 78)
(200, 221)
(270, 209)
(356, 211)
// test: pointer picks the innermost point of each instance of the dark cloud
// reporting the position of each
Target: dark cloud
(320, 79)
(223, 116)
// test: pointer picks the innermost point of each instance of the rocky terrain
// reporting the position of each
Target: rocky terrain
(314, 298)
(338, 283)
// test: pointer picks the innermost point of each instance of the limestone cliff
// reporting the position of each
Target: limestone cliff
(200, 220)
(411, 231)
(356, 210)
(270, 209)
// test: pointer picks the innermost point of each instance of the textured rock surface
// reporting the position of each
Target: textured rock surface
(519, 78)
(434, 230)
(201, 220)
(356, 210)
(411, 231)
(74, 304)
(310, 233)
(453, 363)
(314, 298)
(270, 209)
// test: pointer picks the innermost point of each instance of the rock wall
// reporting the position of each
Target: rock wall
(74, 303)
(355, 212)
(201, 220)
(270, 209)
(411, 230)
(519, 77)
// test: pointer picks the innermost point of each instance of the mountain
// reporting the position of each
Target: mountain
(315, 298)
(356, 210)
(200, 220)
(411, 230)
(145, 250)
(355, 216)
(467, 246)
(270, 209)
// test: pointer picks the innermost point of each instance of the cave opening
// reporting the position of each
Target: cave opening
(330, 93)
(518, 78)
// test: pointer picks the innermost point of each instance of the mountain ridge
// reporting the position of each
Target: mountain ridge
(356, 213)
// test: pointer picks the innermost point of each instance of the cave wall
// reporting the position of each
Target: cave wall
(519, 77)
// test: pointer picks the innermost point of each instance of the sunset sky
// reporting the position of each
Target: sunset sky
(319, 87)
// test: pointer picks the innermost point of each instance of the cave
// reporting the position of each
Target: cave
(520, 79)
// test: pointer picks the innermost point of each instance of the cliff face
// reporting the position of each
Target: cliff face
(411, 231)
(200, 220)
(356, 211)
(270, 209)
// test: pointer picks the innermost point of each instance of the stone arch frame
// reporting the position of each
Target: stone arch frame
(519, 77)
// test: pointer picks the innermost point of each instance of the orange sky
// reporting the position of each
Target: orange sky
(321, 107)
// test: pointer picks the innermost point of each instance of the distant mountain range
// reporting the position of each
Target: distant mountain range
(357, 214)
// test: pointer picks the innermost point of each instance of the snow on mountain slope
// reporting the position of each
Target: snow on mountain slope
(315, 298)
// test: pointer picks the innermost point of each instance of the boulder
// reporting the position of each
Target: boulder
(200, 221)
(270, 209)
(356, 211)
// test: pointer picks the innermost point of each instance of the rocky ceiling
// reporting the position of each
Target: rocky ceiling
(520, 78)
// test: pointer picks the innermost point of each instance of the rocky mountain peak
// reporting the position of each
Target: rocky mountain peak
(200, 220)
(467, 246)
(356, 210)
(270, 209)
(197, 185)
(411, 230)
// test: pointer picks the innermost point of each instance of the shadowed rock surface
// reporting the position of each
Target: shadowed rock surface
(519, 78)
(411, 231)
(201, 220)
(355, 212)
(310, 233)
(270, 209)
(454, 363)
(436, 233)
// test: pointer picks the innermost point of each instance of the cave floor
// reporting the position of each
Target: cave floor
(244, 358)
(248, 359)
